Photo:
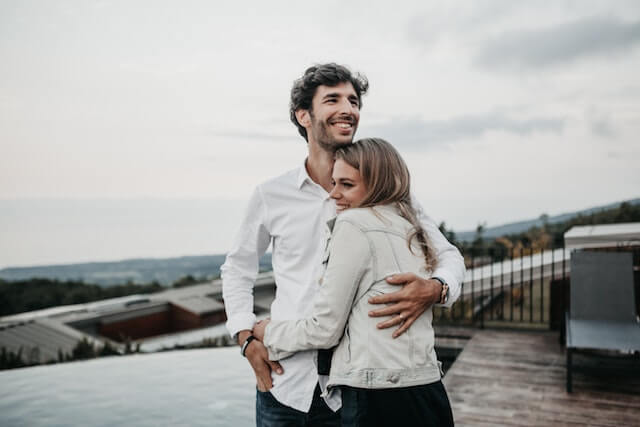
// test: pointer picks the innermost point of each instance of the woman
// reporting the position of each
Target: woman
(383, 380)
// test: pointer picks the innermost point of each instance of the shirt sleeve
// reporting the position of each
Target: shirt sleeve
(240, 269)
(349, 254)
(450, 266)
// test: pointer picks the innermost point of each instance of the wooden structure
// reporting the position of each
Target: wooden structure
(516, 378)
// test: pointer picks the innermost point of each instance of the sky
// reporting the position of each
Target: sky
(503, 111)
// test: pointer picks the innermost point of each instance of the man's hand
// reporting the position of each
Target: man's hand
(408, 303)
(258, 358)
(259, 328)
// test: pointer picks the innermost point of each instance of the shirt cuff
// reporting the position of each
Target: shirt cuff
(240, 322)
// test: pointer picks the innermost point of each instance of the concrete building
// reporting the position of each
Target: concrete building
(181, 317)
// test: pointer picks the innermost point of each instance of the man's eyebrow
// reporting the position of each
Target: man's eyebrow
(332, 95)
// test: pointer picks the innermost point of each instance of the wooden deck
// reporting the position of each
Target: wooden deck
(514, 378)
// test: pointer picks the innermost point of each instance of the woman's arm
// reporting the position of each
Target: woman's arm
(349, 257)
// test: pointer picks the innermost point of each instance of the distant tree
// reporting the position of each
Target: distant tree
(186, 281)
(449, 234)
(84, 349)
(10, 359)
(478, 245)
(36, 293)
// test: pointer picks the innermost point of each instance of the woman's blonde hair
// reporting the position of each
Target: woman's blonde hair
(386, 178)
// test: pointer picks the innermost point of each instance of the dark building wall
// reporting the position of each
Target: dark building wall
(183, 319)
(137, 327)
(173, 319)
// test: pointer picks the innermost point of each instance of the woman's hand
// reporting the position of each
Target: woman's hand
(259, 328)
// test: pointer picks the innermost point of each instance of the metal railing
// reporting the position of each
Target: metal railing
(524, 288)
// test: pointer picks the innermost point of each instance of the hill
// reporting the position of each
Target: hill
(522, 226)
(139, 271)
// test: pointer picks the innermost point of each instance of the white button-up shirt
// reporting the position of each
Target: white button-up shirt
(290, 212)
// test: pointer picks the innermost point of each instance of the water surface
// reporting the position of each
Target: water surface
(204, 387)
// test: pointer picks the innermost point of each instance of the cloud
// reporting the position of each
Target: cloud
(261, 136)
(561, 43)
(600, 123)
(448, 20)
(419, 133)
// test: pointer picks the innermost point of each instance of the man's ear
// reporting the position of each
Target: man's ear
(303, 117)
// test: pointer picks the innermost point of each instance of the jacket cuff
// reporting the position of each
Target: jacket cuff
(273, 353)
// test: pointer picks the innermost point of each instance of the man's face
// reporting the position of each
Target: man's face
(334, 116)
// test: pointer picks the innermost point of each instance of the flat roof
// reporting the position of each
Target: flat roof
(603, 235)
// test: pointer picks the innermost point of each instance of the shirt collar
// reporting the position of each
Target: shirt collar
(303, 175)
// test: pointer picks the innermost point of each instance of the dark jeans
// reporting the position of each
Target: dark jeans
(271, 413)
(423, 405)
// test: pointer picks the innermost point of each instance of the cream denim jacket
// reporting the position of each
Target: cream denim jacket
(366, 246)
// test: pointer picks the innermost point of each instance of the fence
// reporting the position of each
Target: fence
(525, 288)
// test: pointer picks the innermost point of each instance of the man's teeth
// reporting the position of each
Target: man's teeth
(344, 125)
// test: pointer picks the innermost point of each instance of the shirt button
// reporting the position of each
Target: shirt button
(393, 378)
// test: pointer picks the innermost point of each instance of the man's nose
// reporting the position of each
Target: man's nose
(346, 106)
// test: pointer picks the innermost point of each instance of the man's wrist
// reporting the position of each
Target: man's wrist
(444, 290)
(243, 335)
(246, 343)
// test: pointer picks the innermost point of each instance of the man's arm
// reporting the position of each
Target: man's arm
(419, 294)
(239, 274)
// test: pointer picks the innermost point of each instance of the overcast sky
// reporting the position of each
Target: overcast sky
(503, 110)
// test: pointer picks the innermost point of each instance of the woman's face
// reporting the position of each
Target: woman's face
(348, 187)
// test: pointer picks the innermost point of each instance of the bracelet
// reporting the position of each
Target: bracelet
(444, 293)
(246, 344)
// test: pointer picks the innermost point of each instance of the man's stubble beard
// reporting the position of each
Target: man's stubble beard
(321, 135)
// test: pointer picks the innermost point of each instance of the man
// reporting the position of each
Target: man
(290, 212)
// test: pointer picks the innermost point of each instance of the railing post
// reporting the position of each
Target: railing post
(542, 285)
(531, 284)
(491, 283)
(482, 297)
(502, 257)
(511, 286)
(473, 280)
(521, 284)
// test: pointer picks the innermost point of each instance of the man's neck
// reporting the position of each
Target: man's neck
(319, 166)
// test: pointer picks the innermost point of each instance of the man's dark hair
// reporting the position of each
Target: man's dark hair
(318, 75)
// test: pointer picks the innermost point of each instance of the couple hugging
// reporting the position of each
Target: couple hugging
(337, 276)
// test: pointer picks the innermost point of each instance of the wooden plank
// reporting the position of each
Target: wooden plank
(507, 378)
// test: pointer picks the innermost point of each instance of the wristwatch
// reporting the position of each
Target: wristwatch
(444, 293)
(246, 344)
